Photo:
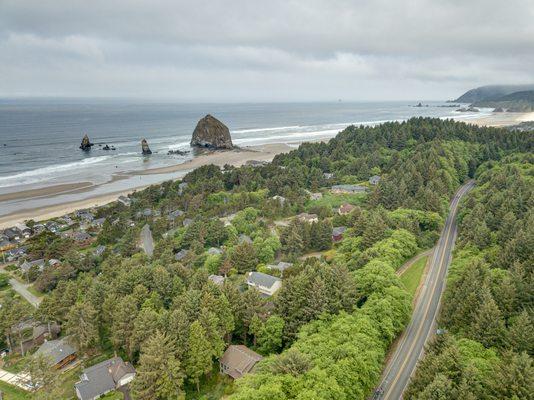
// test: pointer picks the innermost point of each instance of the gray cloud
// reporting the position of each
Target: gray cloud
(262, 51)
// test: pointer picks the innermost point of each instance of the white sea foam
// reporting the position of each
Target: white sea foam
(36, 175)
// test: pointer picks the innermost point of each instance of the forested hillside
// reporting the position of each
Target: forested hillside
(326, 332)
(486, 352)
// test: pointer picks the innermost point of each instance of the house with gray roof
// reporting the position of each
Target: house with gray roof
(238, 360)
(350, 189)
(104, 377)
(242, 238)
(125, 201)
(217, 279)
(59, 352)
(281, 266)
(214, 251)
(374, 180)
(100, 249)
(265, 284)
(181, 255)
(26, 266)
(175, 214)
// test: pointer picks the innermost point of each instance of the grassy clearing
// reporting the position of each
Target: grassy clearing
(412, 276)
(336, 200)
(14, 393)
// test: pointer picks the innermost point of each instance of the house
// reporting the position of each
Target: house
(31, 333)
(99, 222)
(67, 220)
(39, 228)
(345, 209)
(374, 180)
(175, 214)
(242, 238)
(309, 218)
(53, 262)
(187, 222)
(337, 233)
(238, 360)
(24, 230)
(15, 254)
(217, 279)
(214, 251)
(266, 284)
(81, 237)
(85, 215)
(281, 266)
(99, 250)
(125, 201)
(280, 199)
(181, 187)
(4, 244)
(12, 234)
(181, 255)
(316, 196)
(256, 163)
(328, 175)
(26, 266)
(103, 378)
(348, 189)
(52, 226)
(59, 352)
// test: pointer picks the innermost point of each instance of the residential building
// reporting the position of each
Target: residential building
(348, 189)
(281, 266)
(98, 222)
(99, 250)
(59, 352)
(175, 214)
(26, 266)
(12, 234)
(14, 254)
(238, 360)
(81, 237)
(265, 284)
(309, 218)
(181, 255)
(374, 180)
(217, 279)
(345, 209)
(337, 233)
(181, 187)
(24, 230)
(187, 222)
(104, 377)
(316, 196)
(125, 201)
(280, 199)
(214, 251)
(242, 238)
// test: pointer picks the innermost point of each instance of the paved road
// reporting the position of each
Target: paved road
(147, 242)
(22, 289)
(20, 380)
(402, 364)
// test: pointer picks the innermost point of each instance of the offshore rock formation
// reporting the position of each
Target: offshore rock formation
(144, 148)
(86, 143)
(212, 133)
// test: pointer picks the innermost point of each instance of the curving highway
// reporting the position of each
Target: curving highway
(403, 362)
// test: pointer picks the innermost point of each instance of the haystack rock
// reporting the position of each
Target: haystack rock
(144, 148)
(86, 143)
(212, 133)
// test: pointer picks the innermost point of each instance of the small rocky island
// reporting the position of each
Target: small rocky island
(86, 143)
(211, 133)
(144, 148)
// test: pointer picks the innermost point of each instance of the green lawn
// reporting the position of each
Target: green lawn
(14, 393)
(412, 276)
(336, 200)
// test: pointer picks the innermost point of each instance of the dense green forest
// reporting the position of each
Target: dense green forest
(488, 304)
(326, 332)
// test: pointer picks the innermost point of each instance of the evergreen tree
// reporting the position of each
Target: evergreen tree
(82, 326)
(159, 374)
(488, 326)
(198, 358)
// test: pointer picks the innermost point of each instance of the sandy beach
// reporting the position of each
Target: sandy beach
(220, 158)
(236, 157)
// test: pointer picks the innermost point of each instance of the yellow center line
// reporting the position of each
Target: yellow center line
(425, 314)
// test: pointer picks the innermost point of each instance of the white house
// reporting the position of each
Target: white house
(266, 284)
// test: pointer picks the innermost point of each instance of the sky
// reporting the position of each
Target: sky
(248, 50)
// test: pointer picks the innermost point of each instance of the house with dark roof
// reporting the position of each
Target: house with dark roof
(59, 352)
(12, 234)
(181, 255)
(99, 222)
(238, 360)
(104, 377)
(265, 284)
(125, 201)
(174, 214)
(281, 266)
(15, 254)
(26, 266)
(24, 230)
(337, 233)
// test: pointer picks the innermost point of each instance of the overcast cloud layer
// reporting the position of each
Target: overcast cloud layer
(263, 51)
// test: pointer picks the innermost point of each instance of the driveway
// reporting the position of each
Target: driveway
(18, 380)
(22, 289)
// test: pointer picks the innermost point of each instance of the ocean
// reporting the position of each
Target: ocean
(39, 138)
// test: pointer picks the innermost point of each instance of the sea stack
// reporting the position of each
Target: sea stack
(86, 143)
(144, 148)
(212, 133)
